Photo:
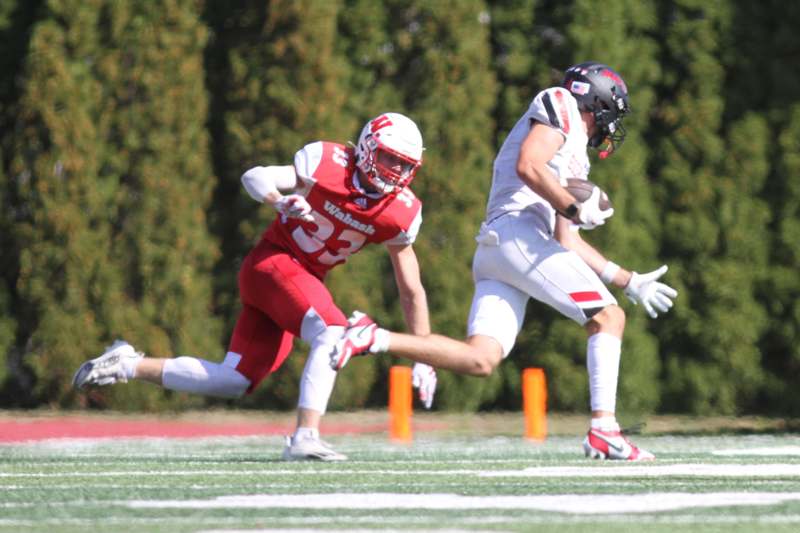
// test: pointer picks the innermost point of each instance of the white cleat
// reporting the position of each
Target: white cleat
(310, 449)
(106, 369)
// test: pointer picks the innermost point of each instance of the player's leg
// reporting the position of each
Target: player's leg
(495, 319)
(260, 355)
(299, 303)
(121, 362)
(576, 294)
(195, 375)
(257, 348)
(560, 278)
(603, 352)
(604, 439)
(117, 364)
(316, 387)
(496, 316)
(478, 356)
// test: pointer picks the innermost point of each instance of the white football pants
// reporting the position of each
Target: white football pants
(516, 259)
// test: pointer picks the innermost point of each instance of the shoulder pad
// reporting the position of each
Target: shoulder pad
(307, 159)
(557, 108)
(407, 228)
(322, 160)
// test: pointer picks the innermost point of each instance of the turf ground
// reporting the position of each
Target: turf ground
(451, 478)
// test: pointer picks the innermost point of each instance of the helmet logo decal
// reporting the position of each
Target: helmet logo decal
(379, 123)
(579, 88)
(608, 73)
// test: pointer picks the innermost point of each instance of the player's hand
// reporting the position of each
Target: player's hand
(589, 213)
(423, 377)
(294, 206)
(645, 289)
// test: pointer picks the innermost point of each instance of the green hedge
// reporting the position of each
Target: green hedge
(125, 127)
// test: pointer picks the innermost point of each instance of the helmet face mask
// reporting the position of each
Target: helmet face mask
(601, 91)
(389, 152)
(393, 168)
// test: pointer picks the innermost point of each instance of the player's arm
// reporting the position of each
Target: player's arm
(409, 286)
(538, 148)
(642, 289)
(264, 184)
(566, 234)
(415, 309)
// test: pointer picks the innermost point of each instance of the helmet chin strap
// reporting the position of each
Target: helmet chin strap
(598, 139)
(386, 188)
(365, 186)
(607, 150)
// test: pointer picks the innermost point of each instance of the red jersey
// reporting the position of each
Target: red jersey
(345, 216)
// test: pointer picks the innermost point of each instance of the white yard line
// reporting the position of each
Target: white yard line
(654, 470)
(243, 472)
(338, 529)
(764, 452)
(590, 471)
(563, 503)
(317, 522)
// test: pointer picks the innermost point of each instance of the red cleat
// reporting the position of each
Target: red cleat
(358, 338)
(600, 444)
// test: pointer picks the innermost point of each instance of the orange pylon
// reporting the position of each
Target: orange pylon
(534, 403)
(400, 408)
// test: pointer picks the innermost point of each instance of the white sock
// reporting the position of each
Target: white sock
(605, 423)
(316, 383)
(129, 365)
(381, 343)
(602, 361)
(306, 433)
(190, 374)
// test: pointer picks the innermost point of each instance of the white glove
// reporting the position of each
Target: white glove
(589, 213)
(423, 377)
(294, 206)
(645, 289)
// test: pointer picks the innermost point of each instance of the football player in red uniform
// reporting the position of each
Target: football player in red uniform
(338, 200)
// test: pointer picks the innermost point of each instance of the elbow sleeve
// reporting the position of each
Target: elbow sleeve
(261, 181)
(258, 183)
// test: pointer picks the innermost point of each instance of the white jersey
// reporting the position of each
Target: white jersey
(554, 107)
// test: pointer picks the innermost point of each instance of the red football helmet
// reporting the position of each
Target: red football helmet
(389, 152)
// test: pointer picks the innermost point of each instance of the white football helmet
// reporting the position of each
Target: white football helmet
(389, 152)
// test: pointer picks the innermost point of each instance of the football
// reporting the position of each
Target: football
(582, 189)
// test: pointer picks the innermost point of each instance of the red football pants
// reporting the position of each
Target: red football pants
(278, 295)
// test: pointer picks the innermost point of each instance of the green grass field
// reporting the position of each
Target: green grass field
(444, 481)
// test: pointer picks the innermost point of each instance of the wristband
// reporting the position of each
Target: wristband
(609, 271)
(571, 211)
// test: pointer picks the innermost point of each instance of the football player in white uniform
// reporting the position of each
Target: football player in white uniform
(529, 246)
